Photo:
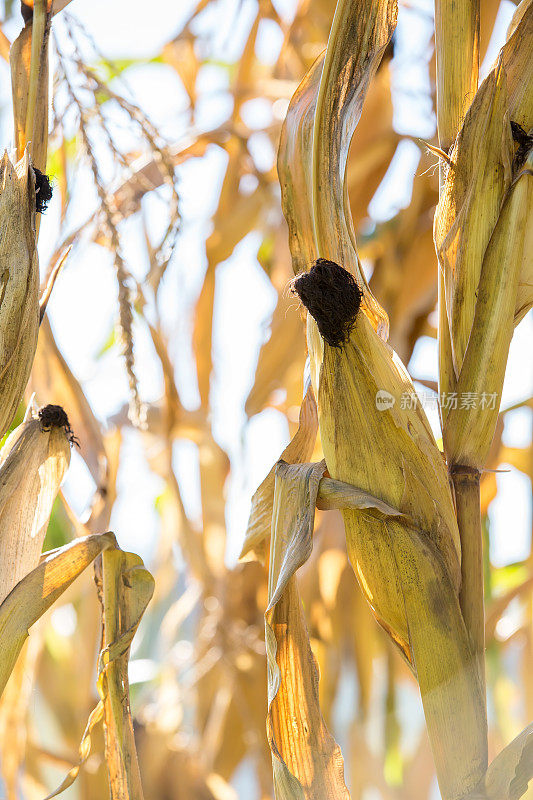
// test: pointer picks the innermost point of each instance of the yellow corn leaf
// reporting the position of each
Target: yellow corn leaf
(39, 589)
(306, 760)
(299, 450)
(236, 216)
(180, 54)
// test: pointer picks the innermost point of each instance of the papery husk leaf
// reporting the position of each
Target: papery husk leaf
(298, 451)
(39, 589)
(359, 35)
(33, 463)
(508, 775)
(19, 284)
(307, 763)
(330, 123)
(389, 453)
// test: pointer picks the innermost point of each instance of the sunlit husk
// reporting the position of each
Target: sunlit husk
(19, 288)
(389, 452)
(33, 463)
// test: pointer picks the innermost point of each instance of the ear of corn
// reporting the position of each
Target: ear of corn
(409, 570)
(33, 463)
(19, 287)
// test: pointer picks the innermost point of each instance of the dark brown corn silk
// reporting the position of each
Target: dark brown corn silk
(43, 190)
(56, 417)
(331, 295)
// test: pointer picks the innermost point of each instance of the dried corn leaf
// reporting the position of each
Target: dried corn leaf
(33, 462)
(39, 589)
(508, 775)
(359, 35)
(298, 451)
(236, 216)
(306, 761)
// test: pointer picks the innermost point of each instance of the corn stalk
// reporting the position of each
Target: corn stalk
(420, 563)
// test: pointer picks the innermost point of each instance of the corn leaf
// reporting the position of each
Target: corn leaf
(39, 589)
(307, 762)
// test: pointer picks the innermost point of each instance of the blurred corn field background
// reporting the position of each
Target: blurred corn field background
(172, 339)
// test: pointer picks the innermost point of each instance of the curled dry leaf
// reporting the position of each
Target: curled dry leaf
(298, 451)
(19, 284)
(33, 462)
(508, 775)
(307, 762)
(39, 589)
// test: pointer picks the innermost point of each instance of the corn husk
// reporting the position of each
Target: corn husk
(19, 291)
(33, 463)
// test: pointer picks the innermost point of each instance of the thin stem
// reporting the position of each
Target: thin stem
(37, 39)
(457, 46)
